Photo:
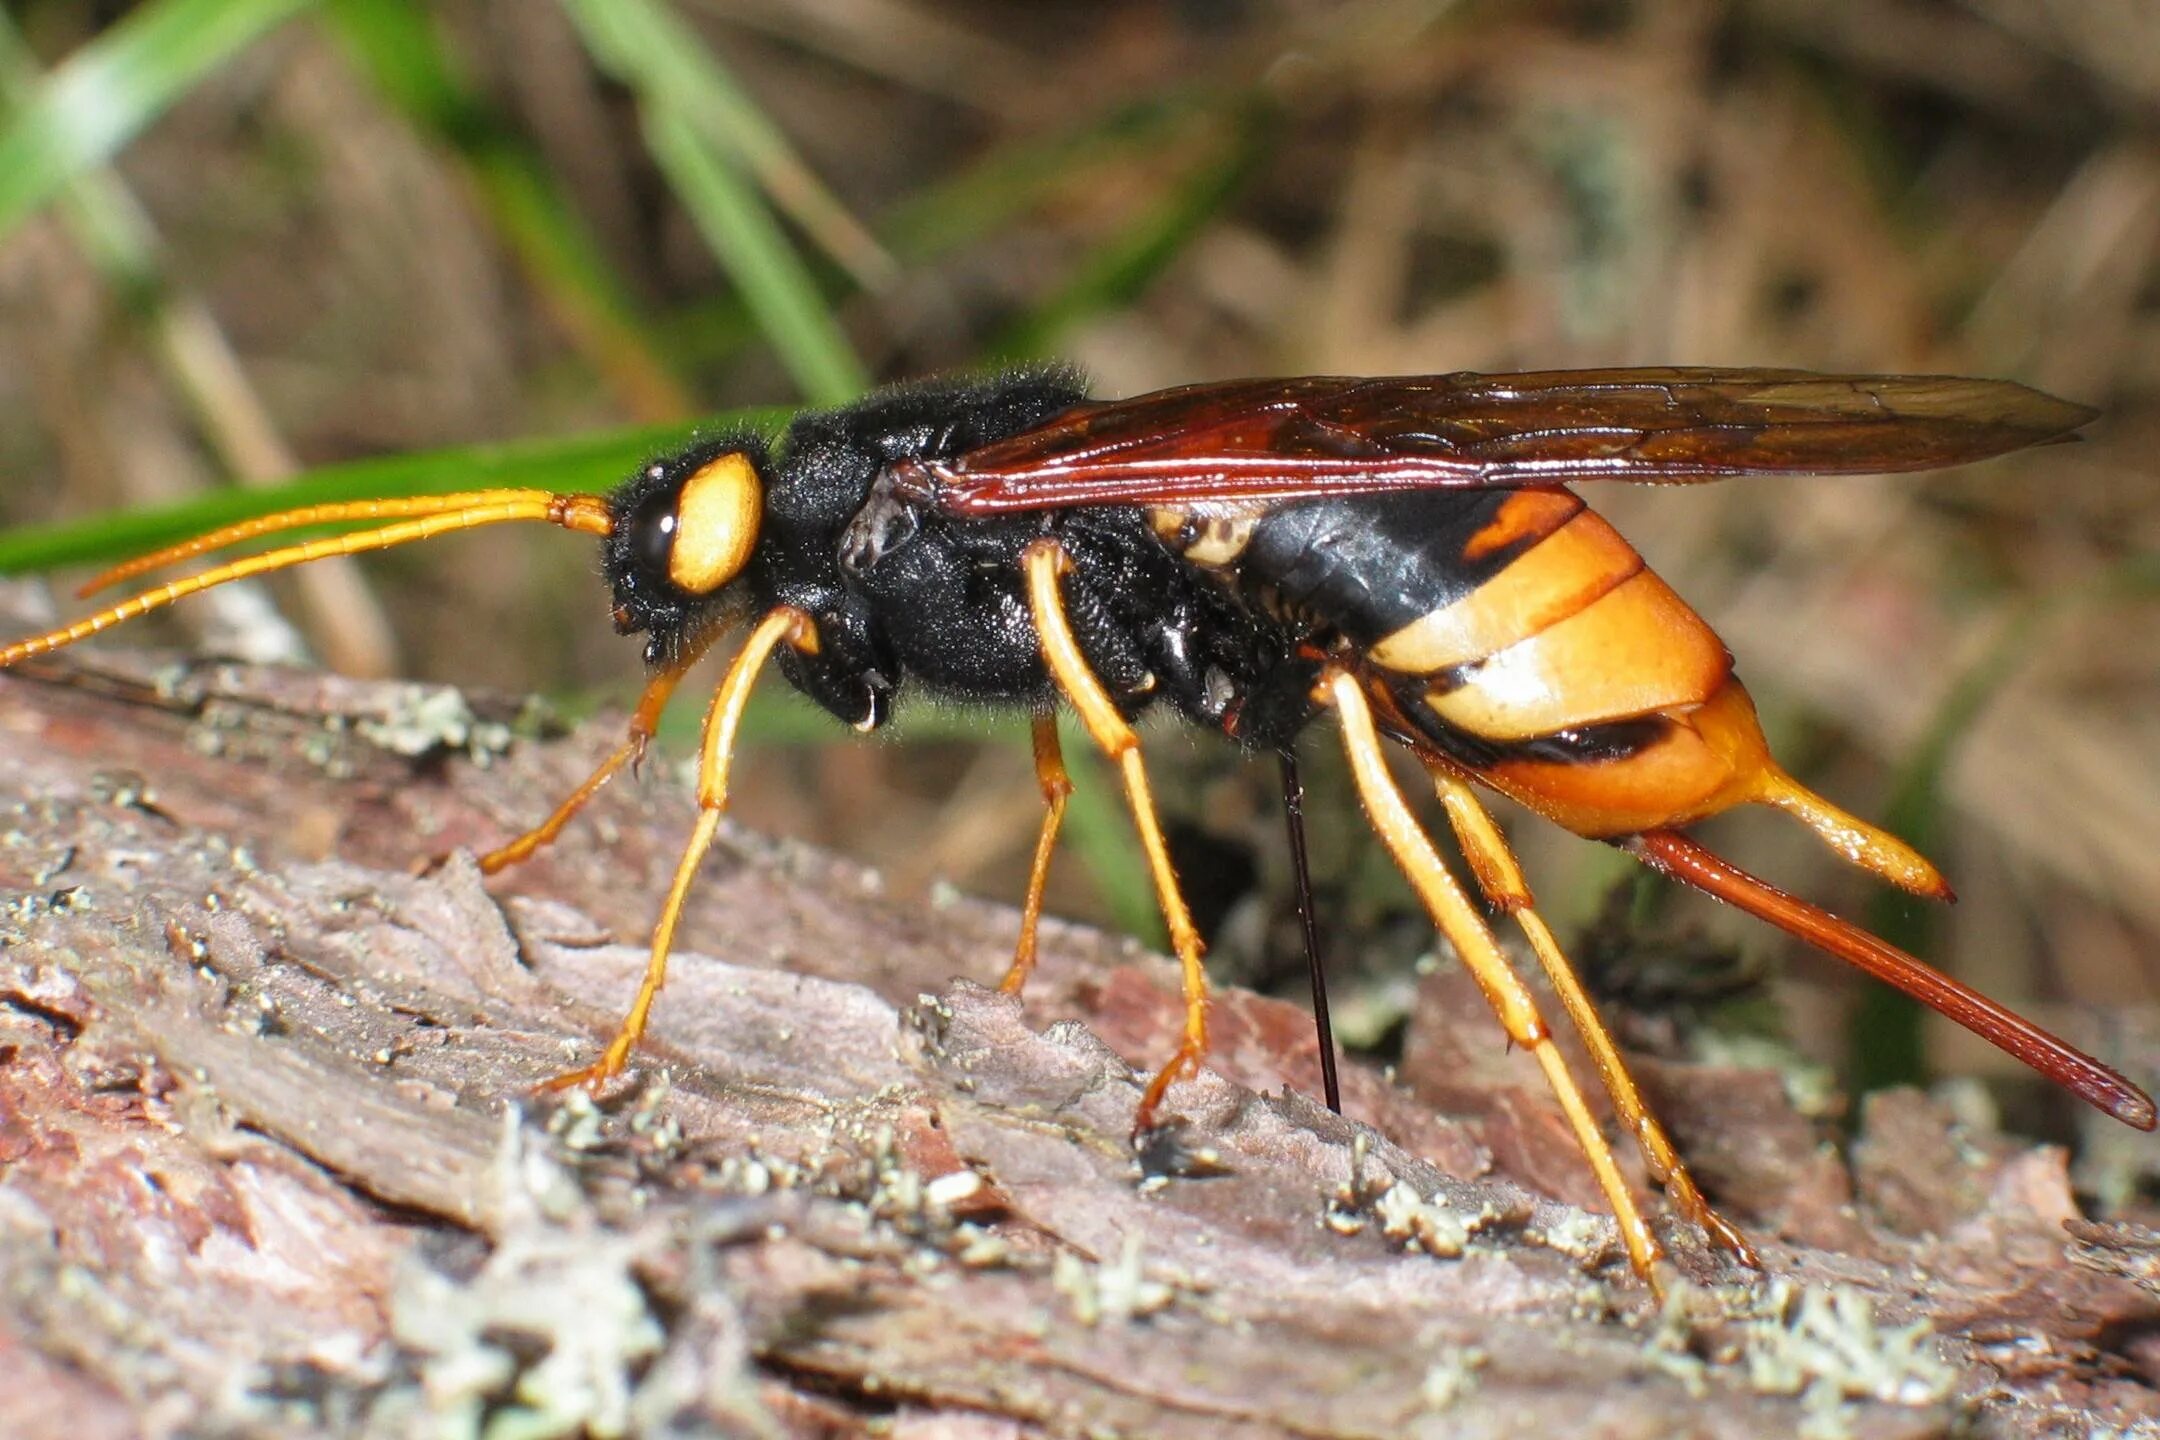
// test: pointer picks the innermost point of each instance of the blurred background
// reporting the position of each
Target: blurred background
(258, 250)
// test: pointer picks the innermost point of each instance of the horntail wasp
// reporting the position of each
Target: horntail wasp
(1252, 555)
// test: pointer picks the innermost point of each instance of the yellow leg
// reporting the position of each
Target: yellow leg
(1056, 788)
(1044, 562)
(1466, 930)
(644, 722)
(722, 722)
(1500, 876)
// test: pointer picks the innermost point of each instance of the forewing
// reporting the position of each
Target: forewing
(1327, 435)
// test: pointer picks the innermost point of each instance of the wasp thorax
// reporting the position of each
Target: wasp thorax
(707, 538)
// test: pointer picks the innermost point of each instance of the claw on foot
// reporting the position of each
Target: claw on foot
(590, 1077)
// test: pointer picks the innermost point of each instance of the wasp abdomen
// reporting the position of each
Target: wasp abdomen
(1518, 632)
(1527, 612)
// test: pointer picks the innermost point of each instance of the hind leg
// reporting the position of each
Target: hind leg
(1500, 876)
(1465, 929)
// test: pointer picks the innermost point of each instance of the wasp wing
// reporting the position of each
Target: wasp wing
(1336, 435)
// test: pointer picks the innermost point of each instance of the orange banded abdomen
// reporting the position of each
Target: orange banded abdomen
(1518, 634)
(1578, 682)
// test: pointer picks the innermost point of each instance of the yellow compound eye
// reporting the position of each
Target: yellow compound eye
(716, 524)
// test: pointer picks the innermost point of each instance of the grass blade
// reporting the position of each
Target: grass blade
(111, 89)
(1121, 270)
(643, 46)
(396, 43)
(776, 286)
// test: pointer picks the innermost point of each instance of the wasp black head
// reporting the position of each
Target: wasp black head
(684, 527)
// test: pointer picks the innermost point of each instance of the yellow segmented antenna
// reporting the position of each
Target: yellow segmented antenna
(328, 513)
(585, 513)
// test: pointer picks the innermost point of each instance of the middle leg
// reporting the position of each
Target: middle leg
(1045, 562)
(1056, 790)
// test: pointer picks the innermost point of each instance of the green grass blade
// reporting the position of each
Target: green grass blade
(579, 463)
(682, 72)
(1021, 174)
(776, 286)
(111, 89)
(646, 48)
(1011, 182)
(396, 43)
(694, 81)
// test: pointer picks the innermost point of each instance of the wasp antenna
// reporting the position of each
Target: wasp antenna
(586, 513)
(1673, 854)
(1872, 849)
(328, 513)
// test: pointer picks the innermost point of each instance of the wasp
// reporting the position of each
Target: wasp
(1403, 555)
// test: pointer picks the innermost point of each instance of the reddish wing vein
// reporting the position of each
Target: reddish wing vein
(1323, 435)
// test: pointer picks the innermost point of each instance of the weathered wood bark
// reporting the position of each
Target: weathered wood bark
(270, 1162)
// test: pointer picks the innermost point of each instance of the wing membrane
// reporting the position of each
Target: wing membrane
(1325, 435)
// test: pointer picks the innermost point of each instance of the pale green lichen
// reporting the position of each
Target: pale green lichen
(1810, 1088)
(1821, 1344)
(422, 719)
(1453, 1375)
(1576, 1233)
(1825, 1345)
(547, 1339)
(1114, 1292)
(1431, 1226)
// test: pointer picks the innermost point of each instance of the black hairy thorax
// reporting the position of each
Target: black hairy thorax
(903, 594)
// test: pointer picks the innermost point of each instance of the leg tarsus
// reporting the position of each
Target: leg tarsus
(1056, 785)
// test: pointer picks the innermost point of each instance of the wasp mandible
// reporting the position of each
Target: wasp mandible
(1400, 553)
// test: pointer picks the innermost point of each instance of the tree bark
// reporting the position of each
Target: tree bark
(271, 1161)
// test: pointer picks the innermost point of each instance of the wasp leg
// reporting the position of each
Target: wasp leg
(644, 722)
(1044, 562)
(722, 722)
(1500, 876)
(1056, 788)
(1467, 932)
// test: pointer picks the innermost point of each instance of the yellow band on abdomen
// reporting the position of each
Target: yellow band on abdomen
(1559, 576)
(1634, 650)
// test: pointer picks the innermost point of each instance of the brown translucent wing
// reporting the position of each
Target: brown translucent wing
(1335, 435)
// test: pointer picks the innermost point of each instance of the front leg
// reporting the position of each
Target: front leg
(644, 724)
(722, 723)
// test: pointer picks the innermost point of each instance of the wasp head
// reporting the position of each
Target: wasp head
(684, 528)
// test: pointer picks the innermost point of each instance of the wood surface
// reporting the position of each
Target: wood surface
(270, 1161)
